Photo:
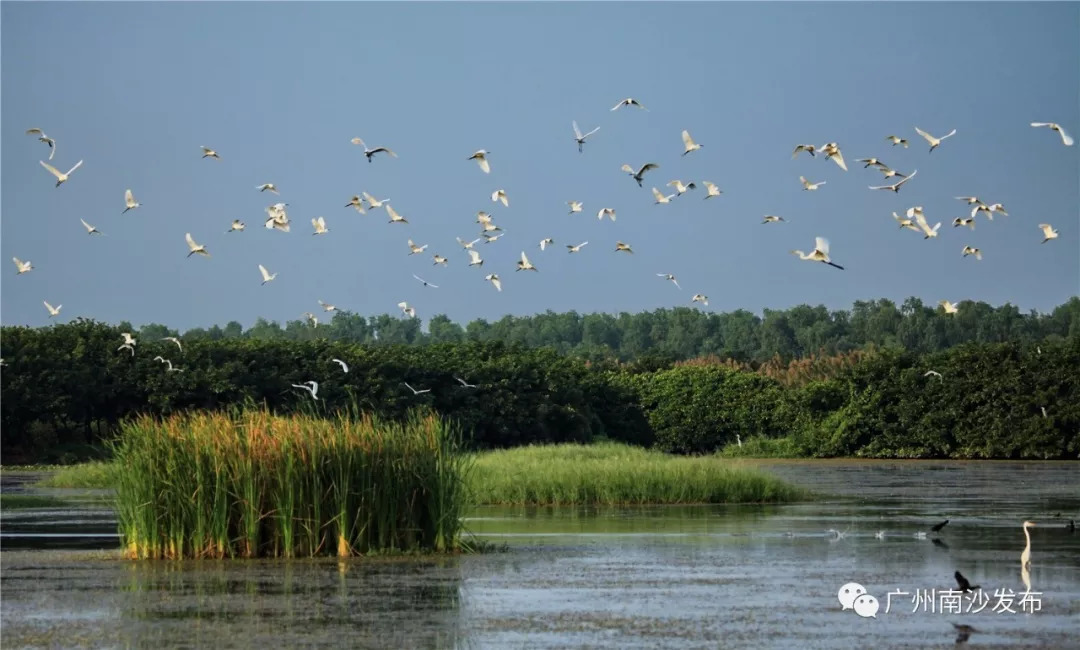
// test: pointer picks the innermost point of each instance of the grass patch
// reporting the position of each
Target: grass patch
(614, 473)
(762, 447)
(253, 484)
(24, 501)
(92, 475)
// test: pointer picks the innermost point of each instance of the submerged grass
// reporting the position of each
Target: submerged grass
(91, 475)
(26, 501)
(249, 483)
(614, 473)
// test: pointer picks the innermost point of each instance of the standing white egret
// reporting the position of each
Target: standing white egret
(266, 275)
(606, 212)
(210, 153)
(370, 153)
(267, 187)
(934, 142)
(712, 190)
(895, 187)
(637, 175)
(575, 206)
(688, 143)
(475, 259)
(319, 224)
(808, 148)
(949, 307)
(968, 250)
(195, 248)
(425, 282)
(619, 246)
(525, 264)
(53, 311)
(394, 216)
(660, 198)
(807, 185)
(237, 226)
(406, 309)
(90, 230)
(60, 178)
(500, 195)
(22, 266)
(1048, 232)
(579, 138)
(700, 297)
(344, 366)
(493, 278)
(129, 200)
(480, 156)
(1025, 557)
(669, 276)
(819, 254)
(1053, 127)
(897, 140)
(629, 101)
(577, 248)
(416, 250)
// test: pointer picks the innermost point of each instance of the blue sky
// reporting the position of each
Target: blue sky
(279, 89)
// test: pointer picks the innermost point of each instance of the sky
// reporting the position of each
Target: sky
(280, 89)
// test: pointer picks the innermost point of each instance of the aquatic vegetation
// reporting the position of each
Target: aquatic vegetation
(26, 501)
(614, 473)
(249, 483)
(91, 475)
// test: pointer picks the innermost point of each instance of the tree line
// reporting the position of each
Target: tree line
(69, 384)
(683, 333)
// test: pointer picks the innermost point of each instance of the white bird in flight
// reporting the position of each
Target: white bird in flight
(129, 201)
(579, 138)
(637, 175)
(406, 309)
(266, 275)
(374, 203)
(425, 282)
(968, 250)
(319, 224)
(807, 185)
(60, 178)
(933, 373)
(195, 248)
(414, 249)
(356, 202)
(480, 156)
(439, 259)
(416, 392)
(575, 249)
(688, 143)
(895, 187)
(327, 306)
(960, 221)
(344, 366)
(44, 138)
(619, 246)
(808, 148)
(500, 195)
(895, 139)
(1048, 232)
(168, 364)
(681, 189)
(475, 259)
(128, 338)
(394, 216)
(89, 229)
(819, 254)
(669, 276)
(934, 142)
(928, 232)
(712, 190)
(210, 153)
(971, 200)
(1053, 127)
(629, 101)
(22, 266)
(660, 198)
(174, 340)
(53, 311)
(905, 223)
(606, 212)
(311, 387)
(524, 264)
(464, 383)
(772, 218)
(267, 187)
(575, 206)
(370, 153)
(949, 307)
(236, 226)
(544, 242)
(467, 245)
(493, 278)
(832, 152)
(700, 297)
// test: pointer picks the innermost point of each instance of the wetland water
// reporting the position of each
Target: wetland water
(667, 576)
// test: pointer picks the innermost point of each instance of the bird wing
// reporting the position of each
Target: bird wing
(821, 244)
(590, 133)
(929, 138)
(55, 172)
(1065, 137)
(190, 242)
(1046, 228)
(265, 273)
(908, 178)
(474, 257)
(86, 225)
(498, 283)
(657, 194)
(687, 140)
(626, 168)
(484, 165)
(390, 211)
(524, 260)
(676, 282)
(577, 131)
(949, 135)
(616, 106)
(838, 158)
(920, 219)
(646, 167)
(37, 130)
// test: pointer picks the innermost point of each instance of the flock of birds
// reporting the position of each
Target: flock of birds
(278, 218)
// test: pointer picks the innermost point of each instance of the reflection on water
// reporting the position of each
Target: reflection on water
(643, 577)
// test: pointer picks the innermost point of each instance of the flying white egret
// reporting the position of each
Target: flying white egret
(1025, 557)
(872, 161)
(406, 309)
(373, 202)
(480, 156)
(90, 230)
(968, 250)
(997, 207)
(279, 218)
(579, 138)
(327, 306)
(483, 217)
(127, 347)
(960, 221)
(949, 307)
(982, 207)
(319, 224)
(934, 142)
(606, 212)
(425, 282)
(266, 275)
(889, 172)
(895, 187)
(688, 143)
(1053, 127)
(416, 392)
(129, 200)
(311, 318)
(210, 153)
(267, 187)
(637, 175)
(464, 383)
(195, 248)
(575, 249)
(819, 254)
(660, 198)
(356, 202)
(808, 148)
(22, 266)
(1048, 232)
(344, 366)
(575, 206)
(700, 297)
(905, 223)
(311, 387)
(370, 153)
(439, 259)
(669, 276)
(897, 140)
(60, 178)
(475, 258)
(168, 364)
(928, 232)
(236, 226)
(712, 190)
(619, 246)
(629, 101)
(394, 216)
(44, 138)
(174, 340)
(500, 195)
(548, 240)
(933, 373)
(467, 245)
(525, 264)
(493, 278)
(832, 152)
(772, 218)
(807, 185)
(971, 200)
(488, 239)
(680, 188)
(416, 250)
(128, 338)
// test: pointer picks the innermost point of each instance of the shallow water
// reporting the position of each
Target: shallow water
(680, 577)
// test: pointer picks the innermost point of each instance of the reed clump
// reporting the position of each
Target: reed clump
(249, 483)
(615, 473)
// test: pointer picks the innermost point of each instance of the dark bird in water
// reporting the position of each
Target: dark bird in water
(963, 633)
(938, 527)
(962, 583)
(1070, 526)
